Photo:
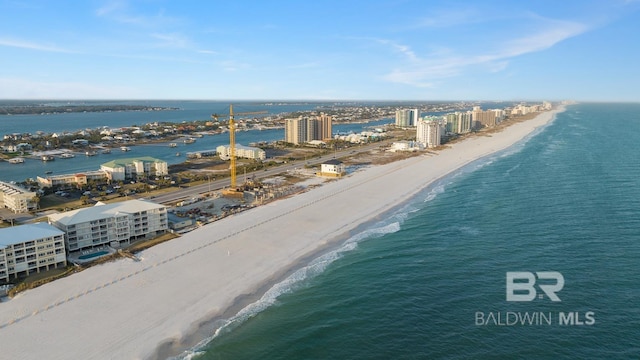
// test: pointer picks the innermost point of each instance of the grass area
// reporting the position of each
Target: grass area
(44, 275)
(55, 202)
(142, 245)
(37, 279)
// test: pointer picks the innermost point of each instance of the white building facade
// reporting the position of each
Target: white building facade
(407, 118)
(72, 179)
(245, 152)
(429, 133)
(17, 199)
(332, 168)
(123, 169)
(122, 222)
(28, 249)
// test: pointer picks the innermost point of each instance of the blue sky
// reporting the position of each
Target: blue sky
(326, 50)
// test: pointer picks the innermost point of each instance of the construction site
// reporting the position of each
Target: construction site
(202, 209)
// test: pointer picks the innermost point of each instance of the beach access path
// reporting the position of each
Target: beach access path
(127, 309)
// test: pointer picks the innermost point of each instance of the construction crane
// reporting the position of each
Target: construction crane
(233, 190)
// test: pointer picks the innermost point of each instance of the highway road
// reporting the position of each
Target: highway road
(192, 191)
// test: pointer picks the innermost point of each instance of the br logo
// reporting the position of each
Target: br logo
(521, 285)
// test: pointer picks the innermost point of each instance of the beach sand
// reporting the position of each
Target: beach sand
(168, 301)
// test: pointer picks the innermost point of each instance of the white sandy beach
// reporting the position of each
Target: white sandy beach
(126, 309)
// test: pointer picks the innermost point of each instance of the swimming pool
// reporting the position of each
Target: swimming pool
(96, 254)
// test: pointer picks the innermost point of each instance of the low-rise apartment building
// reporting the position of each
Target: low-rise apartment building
(123, 169)
(245, 152)
(103, 224)
(28, 249)
(17, 199)
(72, 179)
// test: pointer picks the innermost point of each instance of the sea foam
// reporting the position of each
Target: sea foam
(296, 280)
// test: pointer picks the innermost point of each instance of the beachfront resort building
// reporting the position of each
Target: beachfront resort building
(459, 122)
(429, 132)
(332, 168)
(79, 179)
(28, 249)
(399, 146)
(17, 199)
(486, 118)
(245, 152)
(104, 224)
(304, 129)
(407, 117)
(133, 168)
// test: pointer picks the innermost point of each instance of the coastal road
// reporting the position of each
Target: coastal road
(196, 190)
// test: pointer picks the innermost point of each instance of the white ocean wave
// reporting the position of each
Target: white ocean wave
(291, 283)
(434, 192)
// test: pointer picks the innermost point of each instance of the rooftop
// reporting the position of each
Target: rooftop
(332, 162)
(23, 233)
(11, 189)
(103, 211)
(124, 162)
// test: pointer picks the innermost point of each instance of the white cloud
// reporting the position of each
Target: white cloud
(450, 18)
(308, 65)
(120, 11)
(23, 44)
(15, 88)
(422, 72)
(232, 65)
(542, 40)
(403, 49)
(173, 40)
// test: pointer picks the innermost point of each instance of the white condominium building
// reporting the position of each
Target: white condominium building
(428, 133)
(102, 224)
(16, 199)
(146, 166)
(28, 249)
(245, 152)
(407, 118)
(72, 179)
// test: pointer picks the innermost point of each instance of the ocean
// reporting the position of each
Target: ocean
(429, 279)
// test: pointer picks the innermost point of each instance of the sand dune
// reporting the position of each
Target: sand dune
(126, 309)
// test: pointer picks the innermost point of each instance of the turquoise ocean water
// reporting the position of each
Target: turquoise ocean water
(411, 285)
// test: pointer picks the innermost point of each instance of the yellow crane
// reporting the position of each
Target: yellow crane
(233, 186)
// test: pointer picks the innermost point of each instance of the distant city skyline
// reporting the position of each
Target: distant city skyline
(297, 50)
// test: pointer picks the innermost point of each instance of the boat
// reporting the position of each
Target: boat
(17, 160)
(189, 140)
(177, 154)
(125, 148)
(106, 151)
(67, 156)
(48, 172)
(47, 158)
(173, 145)
(91, 153)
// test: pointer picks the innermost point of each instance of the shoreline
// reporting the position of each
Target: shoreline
(203, 332)
(236, 260)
